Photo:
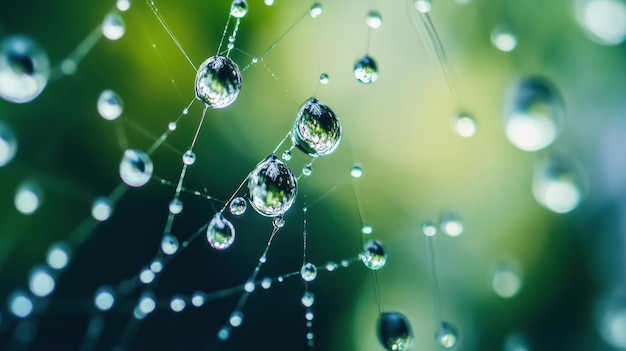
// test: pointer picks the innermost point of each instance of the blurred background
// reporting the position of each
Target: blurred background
(521, 276)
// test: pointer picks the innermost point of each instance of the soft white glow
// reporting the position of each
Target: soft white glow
(236, 319)
(113, 26)
(8, 144)
(156, 266)
(423, 6)
(465, 126)
(21, 305)
(506, 283)
(177, 304)
(614, 328)
(123, 5)
(560, 196)
(197, 299)
(503, 41)
(147, 304)
(41, 282)
(28, 198)
(146, 276)
(604, 20)
(104, 299)
(531, 133)
(101, 209)
(58, 256)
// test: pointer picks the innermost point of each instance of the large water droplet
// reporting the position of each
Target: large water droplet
(135, 168)
(113, 26)
(24, 69)
(308, 272)
(394, 331)
(374, 256)
(366, 70)
(558, 183)
(8, 144)
(110, 105)
(604, 21)
(220, 232)
(218, 82)
(316, 130)
(272, 187)
(535, 114)
(238, 8)
(447, 335)
(374, 19)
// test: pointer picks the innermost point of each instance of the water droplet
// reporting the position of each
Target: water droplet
(198, 299)
(135, 168)
(171, 126)
(394, 331)
(535, 114)
(331, 266)
(104, 298)
(287, 155)
(218, 82)
(178, 304)
(366, 70)
(423, 6)
(324, 78)
(429, 228)
(447, 335)
(506, 281)
(272, 187)
(450, 224)
(255, 60)
(610, 317)
(169, 244)
(266, 283)
(41, 282)
(223, 334)
(317, 130)
(307, 299)
(604, 21)
(503, 39)
(189, 158)
(309, 316)
(20, 304)
(238, 206)
(58, 255)
(374, 19)
(236, 319)
(146, 276)
(249, 286)
(8, 143)
(123, 5)
(356, 171)
(146, 304)
(367, 229)
(156, 266)
(238, 8)
(269, 2)
(464, 125)
(220, 232)
(308, 272)
(175, 206)
(113, 26)
(101, 209)
(278, 222)
(374, 256)
(315, 10)
(110, 105)
(28, 197)
(558, 183)
(24, 69)
(307, 169)
(517, 342)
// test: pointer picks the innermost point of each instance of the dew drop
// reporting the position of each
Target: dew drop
(178, 304)
(223, 334)
(146, 276)
(331, 266)
(249, 286)
(169, 244)
(317, 130)
(558, 183)
(374, 19)
(238, 206)
(110, 105)
(308, 272)
(238, 8)
(189, 158)
(611, 318)
(356, 171)
(307, 169)
(447, 335)
(315, 10)
(101, 209)
(366, 70)
(503, 39)
(535, 114)
(220, 232)
(429, 228)
(58, 255)
(278, 222)
(394, 331)
(324, 78)
(266, 283)
(175, 206)
(20, 304)
(367, 229)
(604, 21)
(8, 143)
(236, 319)
(104, 298)
(28, 197)
(506, 281)
(374, 256)
(156, 266)
(423, 6)
(464, 125)
(269, 2)
(24, 69)
(171, 126)
(307, 299)
(146, 304)
(113, 26)
(198, 299)
(41, 282)
(123, 5)
(450, 224)
(287, 155)
(135, 168)
(272, 187)
(218, 82)
(309, 316)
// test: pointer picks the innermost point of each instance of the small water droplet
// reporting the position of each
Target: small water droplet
(110, 105)
(263, 259)
(146, 303)
(464, 125)
(287, 155)
(331, 266)
(178, 304)
(101, 209)
(309, 316)
(558, 183)
(218, 82)
(429, 228)
(266, 283)
(255, 60)
(135, 168)
(58, 255)
(20, 304)
(374, 256)
(356, 171)
(146, 276)
(506, 281)
(269, 2)
(315, 10)
(278, 222)
(198, 299)
(8, 143)
(113, 27)
(307, 299)
(220, 232)
(189, 158)
(249, 286)
(503, 39)
(324, 78)
(366, 70)
(169, 244)
(104, 298)
(374, 19)
(236, 319)
(423, 6)
(272, 187)
(123, 5)
(41, 282)
(238, 206)
(156, 266)
(238, 8)
(307, 169)
(317, 130)
(450, 224)
(308, 272)
(28, 197)
(223, 334)
(447, 335)
(367, 229)
(24, 69)
(171, 126)
(176, 206)
(394, 331)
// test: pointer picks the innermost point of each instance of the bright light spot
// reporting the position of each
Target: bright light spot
(249, 287)
(21, 306)
(113, 26)
(367, 229)
(156, 266)
(503, 41)
(236, 319)
(465, 126)
(146, 276)
(58, 256)
(123, 5)
(506, 283)
(531, 133)
(197, 299)
(41, 282)
(604, 20)
(560, 196)
(614, 328)
(429, 229)
(146, 304)
(101, 209)
(27, 198)
(104, 299)
(177, 304)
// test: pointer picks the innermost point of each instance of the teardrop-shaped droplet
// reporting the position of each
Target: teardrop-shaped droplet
(8, 144)
(558, 183)
(450, 224)
(176, 206)
(317, 130)
(24, 69)
(135, 168)
(366, 70)
(220, 233)
(394, 331)
(374, 19)
(272, 187)
(535, 114)
(218, 82)
(238, 8)
(374, 256)
(447, 335)
(356, 171)
(110, 105)
(238, 206)
(423, 6)
(503, 39)
(113, 26)
(315, 10)
(189, 158)
(308, 272)
(464, 125)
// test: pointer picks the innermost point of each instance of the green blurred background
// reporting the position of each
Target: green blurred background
(398, 129)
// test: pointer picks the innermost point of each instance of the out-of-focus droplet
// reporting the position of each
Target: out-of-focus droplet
(239, 8)
(308, 272)
(447, 335)
(169, 244)
(20, 304)
(316, 130)
(535, 114)
(423, 6)
(506, 281)
(464, 125)
(28, 197)
(24, 69)
(41, 282)
(450, 224)
(604, 21)
(356, 171)
(110, 105)
(8, 144)
(367, 229)
(611, 317)
(374, 256)
(135, 168)
(220, 232)
(429, 228)
(315, 10)
(558, 183)
(113, 27)
(272, 187)
(101, 209)
(178, 304)
(366, 70)
(516, 342)
(218, 82)
(123, 5)
(307, 299)
(394, 331)
(58, 255)
(104, 298)
(238, 206)
(374, 19)
(503, 39)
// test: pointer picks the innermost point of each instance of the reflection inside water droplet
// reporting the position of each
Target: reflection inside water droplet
(24, 69)
(366, 70)
(220, 232)
(218, 82)
(272, 187)
(394, 331)
(316, 130)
